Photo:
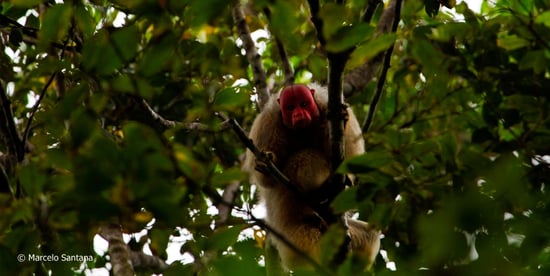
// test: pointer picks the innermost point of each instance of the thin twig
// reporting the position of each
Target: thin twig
(36, 105)
(285, 62)
(381, 81)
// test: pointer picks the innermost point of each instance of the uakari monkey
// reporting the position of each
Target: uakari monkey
(293, 129)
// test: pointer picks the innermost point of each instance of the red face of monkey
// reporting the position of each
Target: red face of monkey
(298, 106)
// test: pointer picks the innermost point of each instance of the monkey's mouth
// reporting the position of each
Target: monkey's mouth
(301, 123)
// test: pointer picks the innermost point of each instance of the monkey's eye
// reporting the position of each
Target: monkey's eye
(303, 104)
(290, 107)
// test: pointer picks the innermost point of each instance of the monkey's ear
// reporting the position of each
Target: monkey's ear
(312, 91)
(279, 101)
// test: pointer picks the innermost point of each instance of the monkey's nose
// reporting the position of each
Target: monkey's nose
(300, 120)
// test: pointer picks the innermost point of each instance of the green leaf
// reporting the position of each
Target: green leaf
(348, 37)
(126, 40)
(26, 3)
(98, 55)
(365, 162)
(55, 25)
(205, 11)
(32, 180)
(429, 56)
(345, 200)
(224, 237)
(334, 19)
(331, 241)
(543, 18)
(188, 164)
(83, 126)
(231, 98)
(535, 60)
(222, 179)
(157, 56)
(84, 21)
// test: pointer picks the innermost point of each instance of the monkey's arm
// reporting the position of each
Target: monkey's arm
(269, 138)
(353, 136)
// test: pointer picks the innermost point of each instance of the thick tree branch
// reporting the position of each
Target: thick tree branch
(254, 59)
(10, 141)
(336, 109)
(123, 259)
(383, 73)
(316, 20)
(118, 250)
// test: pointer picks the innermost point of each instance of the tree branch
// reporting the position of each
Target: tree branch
(123, 259)
(336, 109)
(285, 62)
(10, 140)
(258, 72)
(226, 204)
(382, 78)
(118, 250)
(41, 97)
(317, 22)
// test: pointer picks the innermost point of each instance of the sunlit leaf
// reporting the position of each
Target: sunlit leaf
(543, 18)
(512, 42)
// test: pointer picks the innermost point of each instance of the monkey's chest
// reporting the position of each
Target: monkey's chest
(309, 139)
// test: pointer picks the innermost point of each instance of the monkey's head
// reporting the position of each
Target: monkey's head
(298, 106)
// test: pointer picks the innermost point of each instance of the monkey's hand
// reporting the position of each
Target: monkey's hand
(262, 163)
